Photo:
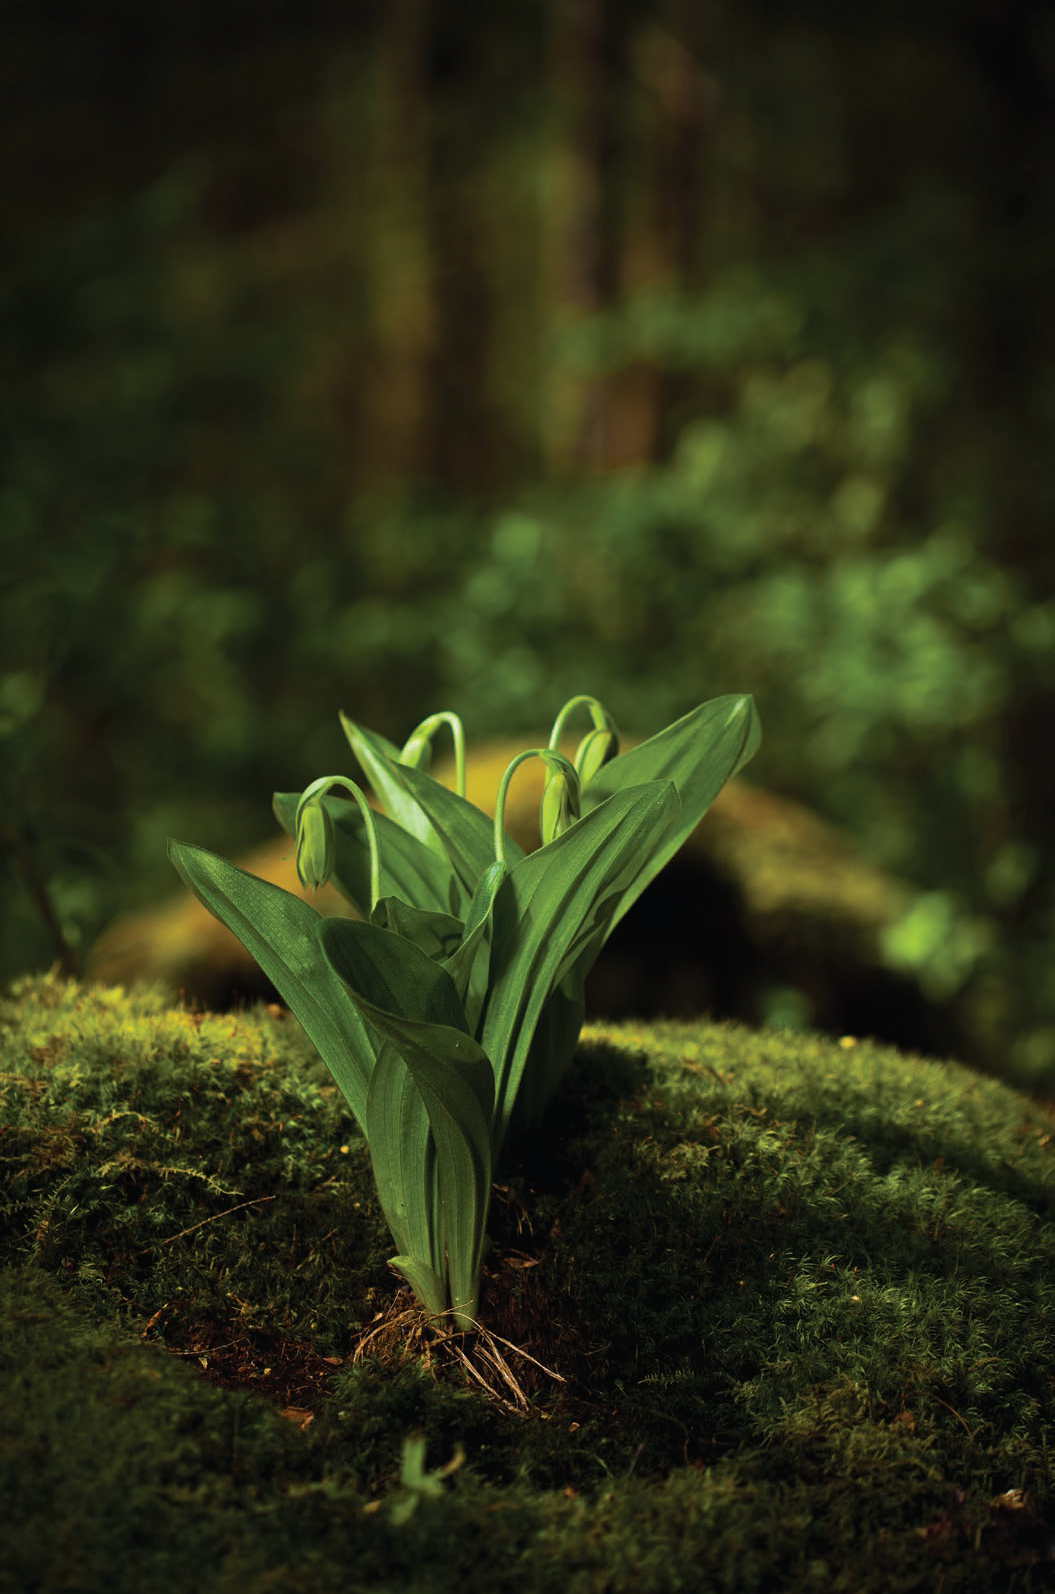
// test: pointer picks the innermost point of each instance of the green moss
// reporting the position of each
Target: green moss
(799, 1293)
(153, 1155)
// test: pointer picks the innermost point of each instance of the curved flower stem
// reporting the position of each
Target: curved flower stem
(566, 809)
(500, 800)
(598, 713)
(419, 743)
(312, 797)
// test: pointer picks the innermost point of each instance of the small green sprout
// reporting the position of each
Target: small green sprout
(415, 1483)
(450, 1008)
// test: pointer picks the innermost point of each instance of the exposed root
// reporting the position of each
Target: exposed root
(406, 1329)
(484, 1362)
(402, 1328)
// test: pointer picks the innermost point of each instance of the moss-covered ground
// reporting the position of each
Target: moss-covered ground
(794, 1301)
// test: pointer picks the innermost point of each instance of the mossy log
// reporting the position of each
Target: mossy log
(776, 1314)
(766, 909)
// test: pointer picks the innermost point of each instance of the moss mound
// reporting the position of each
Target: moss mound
(777, 1314)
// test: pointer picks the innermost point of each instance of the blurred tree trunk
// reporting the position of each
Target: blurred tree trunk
(636, 108)
(468, 449)
(667, 245)
(400, 311)
(571, 423)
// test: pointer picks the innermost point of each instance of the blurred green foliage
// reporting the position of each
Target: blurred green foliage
(414, 362)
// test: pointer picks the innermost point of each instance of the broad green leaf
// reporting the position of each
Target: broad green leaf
(699, 753)
(552, 1049)
(553, 905)
(461, 1132)
(409, 869)
(403, 1158)
(412, 1001)
(438, 817)
(278, 929)
(438, 935)
(465, 831)
(390, 972)
(470, 965)
(379, 761)
(406, 991)
(426, 1283)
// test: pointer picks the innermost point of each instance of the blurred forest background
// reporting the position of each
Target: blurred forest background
(393, 356)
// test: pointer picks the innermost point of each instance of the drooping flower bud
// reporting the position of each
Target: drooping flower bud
(317, 837)
(560, 805)
(315, 844)
(416, 751)
(594, 751)
(598, 745)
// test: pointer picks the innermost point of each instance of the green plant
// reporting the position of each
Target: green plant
(415, 1483)
(449, 1011)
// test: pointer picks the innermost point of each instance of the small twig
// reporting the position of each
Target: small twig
(256, 1201)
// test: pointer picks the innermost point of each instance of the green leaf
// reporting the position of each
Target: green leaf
(278, 929)
(403, 1157)
(379, 761)
(389, 972)
(461, 1131)
(470, 965)
(699, 753)
(438, 935)
(414, 1004)
(552, 1049)
(426, 1283)
(448, 824)
(465, 831)
(551, 914)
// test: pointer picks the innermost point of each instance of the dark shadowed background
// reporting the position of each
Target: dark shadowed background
(393, 357)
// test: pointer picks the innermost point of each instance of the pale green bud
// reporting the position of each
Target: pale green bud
(315, 845)
(602, 720)
(594, 751)
(560, 807)
(417, 750)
